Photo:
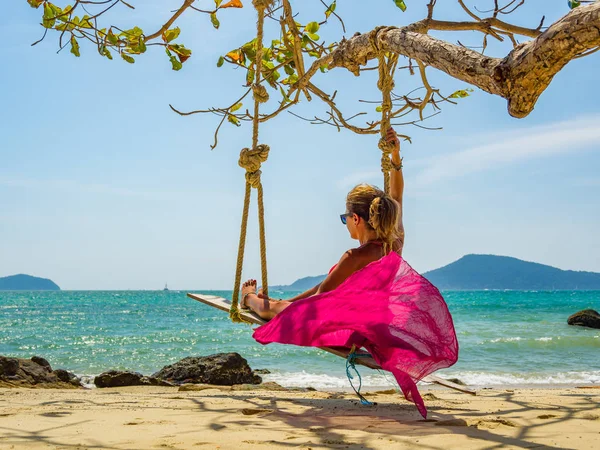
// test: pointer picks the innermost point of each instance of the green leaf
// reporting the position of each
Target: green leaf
(234, 120)
(133, 33)
(400, 4)
(250, 77)
(35, 3)
(221, 61)
(379, 108)
(312, 27)
(175, 63)
(48, 19)
(215, 21)
(183, 53)
(75, 46)
(574, 4)
(86, 22)
(462, 93)
(127, 58)
(105, 52)
(285, 96)
(171, 35)
(313, 36)
(112, 38)
(218, 3)
(330, 9)
(236, 107)
(288, 69)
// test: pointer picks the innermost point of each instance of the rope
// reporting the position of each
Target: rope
(351, 364)
(251, 160)
(385, 85)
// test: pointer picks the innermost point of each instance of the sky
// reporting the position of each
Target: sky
(102, 186)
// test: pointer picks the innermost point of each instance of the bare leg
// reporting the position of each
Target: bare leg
(264, 308)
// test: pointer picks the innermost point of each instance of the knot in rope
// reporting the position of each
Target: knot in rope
(260, 94)
(251, 160)
(262, 4)
(386, 148)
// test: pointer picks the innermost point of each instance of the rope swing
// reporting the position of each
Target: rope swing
(387, 67)
(251, 159)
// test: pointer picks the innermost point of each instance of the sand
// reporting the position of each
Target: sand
(167, 418)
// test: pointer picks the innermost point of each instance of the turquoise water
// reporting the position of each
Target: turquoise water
(505, 337)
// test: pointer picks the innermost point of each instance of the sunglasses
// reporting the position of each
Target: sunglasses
(344, 217)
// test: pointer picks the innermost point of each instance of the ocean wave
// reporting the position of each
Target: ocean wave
(491, 378)
(328, 381)
(546, 341)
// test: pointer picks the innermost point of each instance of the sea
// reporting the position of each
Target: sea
(505, 337)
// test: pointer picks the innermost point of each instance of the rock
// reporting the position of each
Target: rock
(41, 361)
(586, 318)
(8, 366)
(224, 369)
(456, 381)
(67, 377)
(262, 371)
(117, 378)
(34, 372)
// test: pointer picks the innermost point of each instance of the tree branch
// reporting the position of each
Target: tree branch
(520, 77)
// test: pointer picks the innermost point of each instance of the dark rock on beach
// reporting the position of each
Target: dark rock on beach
(262, 371)
(116, 378)
(223, 369)
(586, 318)
(34, 372)
(67, 377)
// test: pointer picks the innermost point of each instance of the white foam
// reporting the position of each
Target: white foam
(498, 379)
(325, 381)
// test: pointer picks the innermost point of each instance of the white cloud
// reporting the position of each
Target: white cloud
(511, 147)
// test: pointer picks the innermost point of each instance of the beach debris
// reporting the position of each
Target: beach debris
(547, 416)
(430, 396)
(224, 369)
(386, 392)
(586, 318)
(202, 387)
(456, 381)
(118, 378)
(34, 372)
(255, 411)
(452, 423)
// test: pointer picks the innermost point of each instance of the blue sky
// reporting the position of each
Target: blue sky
(103, 187)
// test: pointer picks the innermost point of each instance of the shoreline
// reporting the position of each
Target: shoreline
(166, 417)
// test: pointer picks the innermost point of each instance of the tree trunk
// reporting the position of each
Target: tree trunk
(520, 77)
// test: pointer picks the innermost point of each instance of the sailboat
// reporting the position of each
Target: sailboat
(166, 288)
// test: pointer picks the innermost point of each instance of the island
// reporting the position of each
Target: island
(23, 282)
(480, 272)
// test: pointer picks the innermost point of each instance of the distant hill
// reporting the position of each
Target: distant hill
(27, 283)
(503, 272)
(477, 272)
(301, 285)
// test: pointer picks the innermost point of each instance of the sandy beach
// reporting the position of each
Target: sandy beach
(158, 417)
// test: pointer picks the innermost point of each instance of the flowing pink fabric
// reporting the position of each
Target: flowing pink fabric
(398, 316)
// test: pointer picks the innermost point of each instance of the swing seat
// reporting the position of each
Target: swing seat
(364, 360)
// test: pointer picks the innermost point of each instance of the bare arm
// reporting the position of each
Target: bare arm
(397, 187)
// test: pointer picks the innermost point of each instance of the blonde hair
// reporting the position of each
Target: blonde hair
(378, 209)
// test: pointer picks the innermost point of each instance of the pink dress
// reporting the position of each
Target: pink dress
(386, 308)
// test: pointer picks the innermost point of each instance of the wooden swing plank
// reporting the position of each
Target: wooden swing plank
(367, 361)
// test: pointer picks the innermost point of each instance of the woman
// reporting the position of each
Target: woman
(372, 217)
(371, 299)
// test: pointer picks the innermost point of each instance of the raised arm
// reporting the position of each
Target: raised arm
(397, 186)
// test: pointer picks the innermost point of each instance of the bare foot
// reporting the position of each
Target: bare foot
(248, 288)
